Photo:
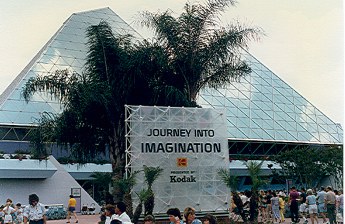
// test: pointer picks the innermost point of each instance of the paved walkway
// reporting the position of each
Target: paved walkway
(83, 219)
(93, 219)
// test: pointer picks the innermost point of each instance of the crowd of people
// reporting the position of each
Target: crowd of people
(303, 205)
(116, 214)
(34, 213)
(266, 206)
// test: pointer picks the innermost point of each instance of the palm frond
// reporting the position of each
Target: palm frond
(151, 174)
(59, 85)
(229, 180)
(101, 178)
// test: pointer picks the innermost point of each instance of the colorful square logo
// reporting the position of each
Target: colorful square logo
(182, 162)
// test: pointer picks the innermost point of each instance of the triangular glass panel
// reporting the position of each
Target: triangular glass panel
(260, 95)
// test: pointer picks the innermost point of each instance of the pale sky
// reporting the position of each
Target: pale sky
(304, 42)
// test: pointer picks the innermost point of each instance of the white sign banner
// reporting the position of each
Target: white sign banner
(190, 145)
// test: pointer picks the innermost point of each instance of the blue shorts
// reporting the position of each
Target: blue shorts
(321, 207)
(71, 209)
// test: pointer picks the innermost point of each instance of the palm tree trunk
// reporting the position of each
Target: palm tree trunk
(117, 157)
(137, 213)
(129, 204)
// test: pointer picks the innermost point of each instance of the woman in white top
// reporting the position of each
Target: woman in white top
(311, 202)
(8, 210)
(275, 207)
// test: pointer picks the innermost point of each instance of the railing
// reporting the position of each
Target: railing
(55, 211)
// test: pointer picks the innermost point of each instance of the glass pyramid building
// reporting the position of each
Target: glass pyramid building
(264, 113)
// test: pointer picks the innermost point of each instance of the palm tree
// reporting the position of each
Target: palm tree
(117, 73)
(190, 53)
(102, 90)
(230, 181)
(123, 191)
(198, 51)
(254, 169)
(102, 181)
(142, 195)
(151, 174)
(42, 134)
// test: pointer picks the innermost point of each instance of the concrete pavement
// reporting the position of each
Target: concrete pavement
(82, 219)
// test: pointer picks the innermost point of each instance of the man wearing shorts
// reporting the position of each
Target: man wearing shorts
(303, 209)
(321, 203)
(71, 209)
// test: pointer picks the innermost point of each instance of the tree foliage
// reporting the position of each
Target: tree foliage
(309, 165)
(231, 181)
(189, 53)
(151, 174)
(254, 170)
(200, 52)
(142, 195)
(123, 190)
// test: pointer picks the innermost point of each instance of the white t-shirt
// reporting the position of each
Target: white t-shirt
(7, 212)
(113, 217)
(125, 218)
(244, 199)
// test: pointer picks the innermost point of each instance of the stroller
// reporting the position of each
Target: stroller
(91, 210)
(84, 209)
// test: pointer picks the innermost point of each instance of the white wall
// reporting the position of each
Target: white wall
(53, 190)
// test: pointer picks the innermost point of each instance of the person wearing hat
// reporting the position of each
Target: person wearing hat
(35, 212)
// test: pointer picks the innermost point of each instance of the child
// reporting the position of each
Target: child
(19, 213)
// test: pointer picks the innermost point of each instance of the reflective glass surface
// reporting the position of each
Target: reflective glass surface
(263, 107)
(260, 106)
